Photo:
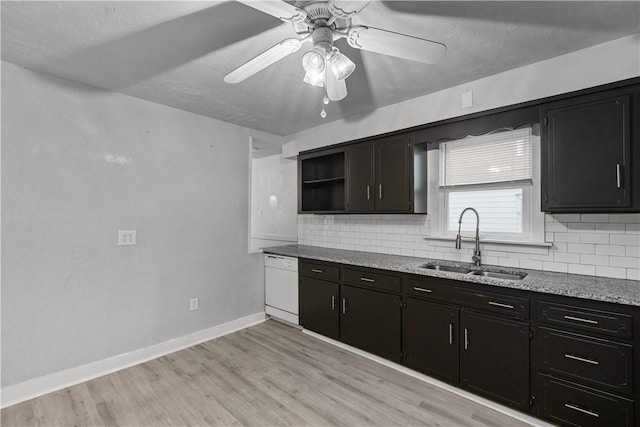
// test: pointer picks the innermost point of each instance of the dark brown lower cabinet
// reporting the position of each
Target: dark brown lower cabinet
(574, 405)
(370, 320)
(494, 358)
(430, 338)
(319, 301)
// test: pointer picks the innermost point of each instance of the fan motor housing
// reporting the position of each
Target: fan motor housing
(323, 37)
(318, 13)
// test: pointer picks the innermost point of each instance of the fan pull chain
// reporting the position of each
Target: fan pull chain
(325, 98)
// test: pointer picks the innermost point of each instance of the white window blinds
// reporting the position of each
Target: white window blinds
(498, 157)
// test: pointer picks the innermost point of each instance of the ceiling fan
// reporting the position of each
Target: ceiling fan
(321, 23)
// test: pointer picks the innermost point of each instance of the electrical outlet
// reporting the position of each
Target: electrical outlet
(126, 237)
(193, 304)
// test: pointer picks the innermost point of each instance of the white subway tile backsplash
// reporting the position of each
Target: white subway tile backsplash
(619, 273)
(588, 270)
(625, 218)
(633, 274)
(633, 228)
(566, 218)
(556, 227)
(566, 257)
(611, 250)
(632, 251)
(559, 267)
(592, 244)
(610, 228)
(625, 239)
(621, 261)
(566, 237)
(594, 217)
(594, 238)
(508, 262)
(559, 247)
(594, 259)
(531, 264)
(581, 248)
(581, 226)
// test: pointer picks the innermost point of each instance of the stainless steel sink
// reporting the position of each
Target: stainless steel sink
(497, 275)
(447, 268)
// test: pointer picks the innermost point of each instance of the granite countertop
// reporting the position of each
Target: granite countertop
(588, 287)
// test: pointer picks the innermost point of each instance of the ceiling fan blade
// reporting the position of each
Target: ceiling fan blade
(336, 89)
(262, 61)
(347, 8)
(279, 9)
(395, 44)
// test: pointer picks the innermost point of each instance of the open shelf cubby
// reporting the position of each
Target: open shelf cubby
(323, 183)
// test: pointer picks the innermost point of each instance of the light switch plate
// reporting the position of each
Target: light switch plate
(467, 99)
(126, 237)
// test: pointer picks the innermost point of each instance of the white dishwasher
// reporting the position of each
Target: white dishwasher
(281, 287)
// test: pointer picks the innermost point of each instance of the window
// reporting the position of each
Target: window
(497, 176)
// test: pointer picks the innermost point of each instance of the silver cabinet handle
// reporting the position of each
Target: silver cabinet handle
(366, 279)
(274, 257)
(466, 338)
(344, 305)
(618, 177)
(580, 319)
(422, 290)
(450, 333)
(368, 192)
(579, 409)
(499, 304)
(581, 359)
(315, 270)
(333, 302)
(380, 191)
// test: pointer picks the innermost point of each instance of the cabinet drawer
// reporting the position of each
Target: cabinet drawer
(429, 290)
(372, 280)
(609, 323)
(595, 361)
(497, 303)
(571, 404)
(319, 271)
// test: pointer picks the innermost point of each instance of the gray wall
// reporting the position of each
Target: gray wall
(77, 165)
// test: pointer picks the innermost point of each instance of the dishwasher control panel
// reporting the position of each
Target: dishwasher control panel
(281, 262)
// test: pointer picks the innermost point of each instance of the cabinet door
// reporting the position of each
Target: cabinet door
(370, 320)
(494, 358)
(393, 171)
(586, 154)
(360, 191)
(319, 306)
(430, 338)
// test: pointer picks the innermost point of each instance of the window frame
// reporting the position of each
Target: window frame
(533, 218)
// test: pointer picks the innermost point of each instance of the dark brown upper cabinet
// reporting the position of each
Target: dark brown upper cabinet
(378, 175)
(381, 176)
(588, 146)
(360, 178)
(393, 172)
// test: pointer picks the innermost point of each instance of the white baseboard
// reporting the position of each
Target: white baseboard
(39, 386)
(455, 390)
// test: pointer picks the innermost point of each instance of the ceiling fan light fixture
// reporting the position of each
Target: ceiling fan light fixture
(341, 66)
(314, 79)
(313, 61)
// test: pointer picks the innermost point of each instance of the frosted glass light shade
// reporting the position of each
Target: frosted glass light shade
(314, 79)
(313, 61)
(341, 66)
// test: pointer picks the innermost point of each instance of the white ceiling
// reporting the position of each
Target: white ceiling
(176, 53)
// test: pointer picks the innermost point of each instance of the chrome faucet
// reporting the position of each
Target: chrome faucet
(477, 258)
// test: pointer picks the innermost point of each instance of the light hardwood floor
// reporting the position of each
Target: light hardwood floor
(267, 375)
